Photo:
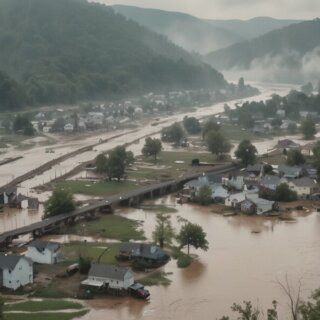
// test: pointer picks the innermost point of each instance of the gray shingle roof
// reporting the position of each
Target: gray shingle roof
(10, 261)
(146, 251)
(41, 245)
(108, 271)
(304, 182)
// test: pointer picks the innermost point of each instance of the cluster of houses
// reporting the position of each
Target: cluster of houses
(11, 198)
(243, 190)
(16, 271)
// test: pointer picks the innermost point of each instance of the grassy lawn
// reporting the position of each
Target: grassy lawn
(236, 133)
(157, 278)
(170, 169)
(52, 291)
(45, 315)
(101, 188)
(109, 226)
(72, 250)
(45, 305)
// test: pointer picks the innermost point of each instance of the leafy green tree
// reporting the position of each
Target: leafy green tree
(204, 196)
(217, 143)
(61, 201)
(307, 88)
(208, 126)
(164, 231)
(295, 158)
(101, 164)
(192, 125)
(284, 193)
(23, 125)
(173, 134)
(192, 235)
(246, 152)
(310, 310)
(308, 128)
(152, 147)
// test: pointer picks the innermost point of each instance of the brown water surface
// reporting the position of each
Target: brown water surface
(247, 255)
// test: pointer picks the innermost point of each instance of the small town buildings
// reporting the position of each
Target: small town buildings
(44, 252)
(68, 127)
(290, 172)
(304, 187)
(219, 193)
(143, 251)
(307, 149)
(7, 195)
(109, 276)
(234, 181)
(262, 205)
(234, 200)
(271, 182)
(15, 271)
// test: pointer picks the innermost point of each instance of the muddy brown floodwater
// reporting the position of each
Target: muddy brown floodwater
(247, 256)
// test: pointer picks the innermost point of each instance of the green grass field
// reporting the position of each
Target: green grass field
(109, 226)
(44, 305)
(91, 250)
(101, 188)
(155, 279)
(45, 315)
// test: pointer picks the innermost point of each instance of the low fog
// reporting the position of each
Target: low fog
(289, 67)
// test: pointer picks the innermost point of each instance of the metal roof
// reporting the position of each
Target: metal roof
(10, 261)
(41, 245)
(108, 271)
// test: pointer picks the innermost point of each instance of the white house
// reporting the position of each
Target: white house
(44, 252)
(262, 205)
(15, 271)
(101, 275)
(234, 181)
(235, 199)
(271, 182)
(304, 187)
(68, 127)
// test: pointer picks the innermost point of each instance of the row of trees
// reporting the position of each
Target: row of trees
(190, 234)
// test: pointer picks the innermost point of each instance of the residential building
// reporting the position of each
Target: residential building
(287, 144)
(44, 252)
(234, 200)
(290, 172)
(262, 205)
(15, 271)
(234, 181)
(102, 275)
(271, 182)
(68, 127)
(7, 195)
(143, 251)
(304, 187)
(219, 193)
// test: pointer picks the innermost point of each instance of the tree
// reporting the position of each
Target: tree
(192, 235)
(152, 147)
(295, 158)
(204, 196)
(173, 134)
(61, 201)
(246, 152)
(192, 125)
(23, 125)
(310, 310)
(284, 193)
(115, 163)
(217, 143)
(241, 84)
(308, 128)
(307, 88)
(163, 232)
(209, 126)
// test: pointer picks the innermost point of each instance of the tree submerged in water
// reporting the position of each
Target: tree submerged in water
(61, 201)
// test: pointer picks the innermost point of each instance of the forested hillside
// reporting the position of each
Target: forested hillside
(293, 42)
(68, 50)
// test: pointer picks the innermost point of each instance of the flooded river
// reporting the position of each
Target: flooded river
(240, 264)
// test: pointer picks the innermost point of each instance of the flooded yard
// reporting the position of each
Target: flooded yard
(239, 265)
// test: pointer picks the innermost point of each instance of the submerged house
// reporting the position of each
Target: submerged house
(109, 276)
(7, 195)
(44, 252)
(15, 271)
(149, 252)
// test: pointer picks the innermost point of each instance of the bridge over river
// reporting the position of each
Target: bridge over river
(130, 198)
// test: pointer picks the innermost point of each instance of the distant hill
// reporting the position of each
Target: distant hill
(249, 29)
(70, 50)
(200, 35)
(291, 51)
(189, 32)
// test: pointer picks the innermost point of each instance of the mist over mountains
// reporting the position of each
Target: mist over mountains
(289, 54)
(66, 50)
(200, 35)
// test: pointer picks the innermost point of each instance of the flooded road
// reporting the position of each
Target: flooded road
(239, 265)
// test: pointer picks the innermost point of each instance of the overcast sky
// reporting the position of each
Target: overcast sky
(232, 9)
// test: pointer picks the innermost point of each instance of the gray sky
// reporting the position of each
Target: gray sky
(232, 9)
